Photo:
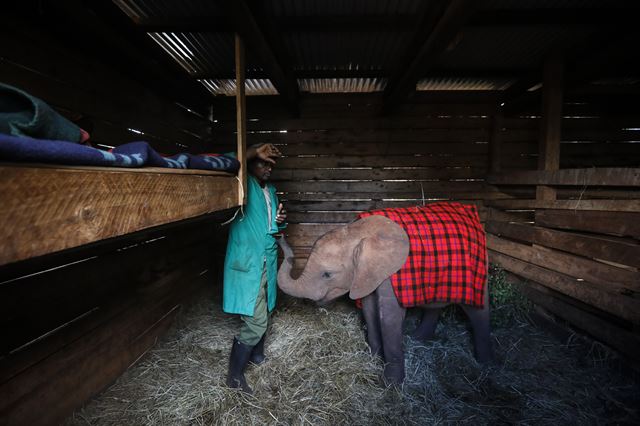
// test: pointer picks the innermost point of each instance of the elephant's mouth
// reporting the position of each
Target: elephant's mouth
(331, 296)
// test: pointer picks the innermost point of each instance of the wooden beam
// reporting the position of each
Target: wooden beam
(619, 223)
(51, 209)
(599, 247)
(495, 143)
(620, 305)
(623, 340)
(241, 119)
(576, 205)
(606, 176)
(425, 57)
(551, 123)
(611, 278)
(258, 42)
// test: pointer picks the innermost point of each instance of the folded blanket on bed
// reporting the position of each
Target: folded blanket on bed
(22, 114)
(134, 154)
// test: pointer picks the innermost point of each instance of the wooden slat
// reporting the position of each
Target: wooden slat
(616, 279)
(321, 217)
(348, 205)
(574, 177)
(442, 134)
(602, 205)
(241, 117)
(384, 148)
(605, 222)
(47, 210)
(429, 188)
(423, 173)
(516, 217)
(332, 216)
(38, 303)
(67, 378)
(551, 124)
(621, 252)
(475, 161)
(623, 340)
(615, 303)
(444, 122)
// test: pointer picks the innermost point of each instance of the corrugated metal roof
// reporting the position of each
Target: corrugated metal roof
(446, 83)
(342, 85)
(210, 56)
(139, 9)
(227, 87)
(202, 53)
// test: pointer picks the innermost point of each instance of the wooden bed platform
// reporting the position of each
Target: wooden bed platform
(48, 208)
(95, 263)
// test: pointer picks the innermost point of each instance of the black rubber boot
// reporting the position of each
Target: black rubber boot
(238, 360)
(257, 354)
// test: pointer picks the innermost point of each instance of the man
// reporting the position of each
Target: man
(250, 266)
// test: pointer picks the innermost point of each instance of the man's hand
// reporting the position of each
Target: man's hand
(281, 214)
(266, 152)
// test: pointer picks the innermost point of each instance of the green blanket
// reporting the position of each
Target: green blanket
(24, 115)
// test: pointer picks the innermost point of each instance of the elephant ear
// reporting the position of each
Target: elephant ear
(377, 257)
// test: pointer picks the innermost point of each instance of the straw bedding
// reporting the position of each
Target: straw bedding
(319, 372)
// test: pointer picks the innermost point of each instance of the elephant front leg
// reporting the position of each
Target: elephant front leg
(370, 313)
(391, 316)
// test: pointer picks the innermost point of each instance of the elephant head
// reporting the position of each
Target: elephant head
(352, 259)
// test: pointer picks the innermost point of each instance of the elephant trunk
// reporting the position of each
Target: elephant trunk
(293, 287)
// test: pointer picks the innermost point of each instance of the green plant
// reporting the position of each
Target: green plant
(508, 304)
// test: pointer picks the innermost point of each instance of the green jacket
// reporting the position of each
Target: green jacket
(251, 241)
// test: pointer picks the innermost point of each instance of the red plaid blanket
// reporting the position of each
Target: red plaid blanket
(447, 257)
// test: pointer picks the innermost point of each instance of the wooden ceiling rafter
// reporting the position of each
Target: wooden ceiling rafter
(261, 40)
(581, 68)
(547, 17)
(421, 60)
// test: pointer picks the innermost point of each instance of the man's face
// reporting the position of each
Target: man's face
(261, 170)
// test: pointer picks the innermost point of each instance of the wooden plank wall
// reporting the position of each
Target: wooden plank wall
(72, 324)
(579, 255)
(341, 158)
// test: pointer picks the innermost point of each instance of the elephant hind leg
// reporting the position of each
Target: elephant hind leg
(427, 327)
(480, 323)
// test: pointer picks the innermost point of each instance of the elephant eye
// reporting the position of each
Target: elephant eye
(326, 274)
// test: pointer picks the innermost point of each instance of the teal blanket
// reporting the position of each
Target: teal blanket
(22, 114)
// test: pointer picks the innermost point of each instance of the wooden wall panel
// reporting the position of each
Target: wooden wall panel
(336, 165)
(80, 326)
(579, 254)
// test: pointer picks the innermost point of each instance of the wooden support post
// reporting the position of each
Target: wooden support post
(495, 143)
(551, 125)
(241, 119)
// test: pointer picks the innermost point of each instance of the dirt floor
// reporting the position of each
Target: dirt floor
(319, 372)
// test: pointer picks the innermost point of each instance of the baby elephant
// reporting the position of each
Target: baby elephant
(392, 259)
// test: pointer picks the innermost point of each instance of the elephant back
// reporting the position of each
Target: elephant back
(447, 255)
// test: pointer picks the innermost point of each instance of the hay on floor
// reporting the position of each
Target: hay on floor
(320, 372)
